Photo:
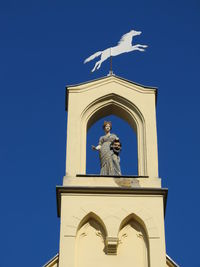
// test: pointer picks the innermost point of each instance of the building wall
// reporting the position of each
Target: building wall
(111, 228)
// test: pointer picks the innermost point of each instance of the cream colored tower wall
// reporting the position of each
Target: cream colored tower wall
(91, 249)
(111, 95)
(110, 212)
(111, 221)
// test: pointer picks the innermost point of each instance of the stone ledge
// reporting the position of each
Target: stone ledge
(110, 176)
(112, 181)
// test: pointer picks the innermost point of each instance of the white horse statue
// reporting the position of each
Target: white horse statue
(123, 46)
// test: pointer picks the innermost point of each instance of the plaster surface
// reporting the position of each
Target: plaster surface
(111, 211)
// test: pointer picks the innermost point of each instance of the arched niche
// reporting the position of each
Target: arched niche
(134, 217)
(133, 242)
(90, 242)
(91, 216)
(113, 104)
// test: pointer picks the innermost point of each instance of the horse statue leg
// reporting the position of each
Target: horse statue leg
(139, 47)
(95, 66)
(99, 64)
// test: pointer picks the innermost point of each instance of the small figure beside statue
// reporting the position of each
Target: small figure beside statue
(109, 148)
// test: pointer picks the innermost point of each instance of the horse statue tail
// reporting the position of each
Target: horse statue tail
(92, 56)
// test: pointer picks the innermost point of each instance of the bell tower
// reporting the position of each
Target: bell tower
(111, 220)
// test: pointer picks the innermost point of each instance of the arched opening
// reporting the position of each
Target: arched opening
(128, 138)
(115, 105)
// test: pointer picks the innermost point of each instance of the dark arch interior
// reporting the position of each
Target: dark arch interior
(128, 155)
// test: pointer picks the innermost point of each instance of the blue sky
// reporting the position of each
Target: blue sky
(42, 48)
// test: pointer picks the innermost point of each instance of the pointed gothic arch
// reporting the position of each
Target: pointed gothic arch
(90, 241)
(132, 234)
(91, 216)
(113, 104)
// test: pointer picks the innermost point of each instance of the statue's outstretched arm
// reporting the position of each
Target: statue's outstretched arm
(96, 147)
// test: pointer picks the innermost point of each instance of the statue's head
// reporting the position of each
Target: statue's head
(107, 126)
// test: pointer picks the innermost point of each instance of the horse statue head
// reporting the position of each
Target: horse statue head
(134, 33)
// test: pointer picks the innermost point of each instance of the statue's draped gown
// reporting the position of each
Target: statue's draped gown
(110, 162)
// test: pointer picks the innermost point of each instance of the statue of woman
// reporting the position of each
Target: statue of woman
(109, 147)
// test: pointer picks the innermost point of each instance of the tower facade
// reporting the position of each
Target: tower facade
(111, 220)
